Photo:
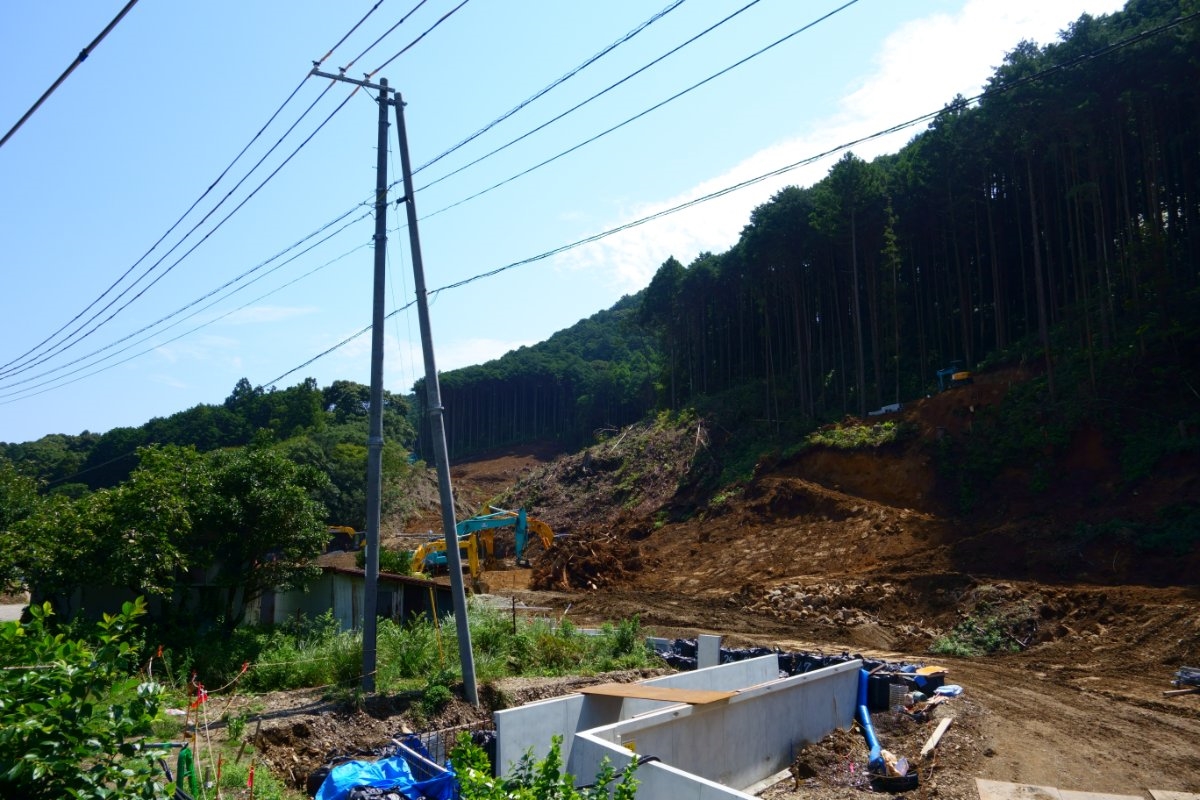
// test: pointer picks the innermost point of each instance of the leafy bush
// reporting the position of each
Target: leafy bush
(857, 437)
(542, 780)
(1175, 531)
(994, 625)
(71, 710)
(397, 562)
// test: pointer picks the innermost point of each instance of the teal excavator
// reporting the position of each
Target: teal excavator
(479, 534)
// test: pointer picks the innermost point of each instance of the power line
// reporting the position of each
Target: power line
(27, 392)
(62, 346)
(1134, 39)
(191, 305)
(577, 106)
(67, 344)
(413, 43)
(4, 368)
(572, 73)
(386, 33)
(643, 113)
(79, 59)
(348, 33)
(154, 246)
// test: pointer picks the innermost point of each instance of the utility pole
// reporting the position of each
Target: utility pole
(375, 429)
(433, 392)
(437, 424)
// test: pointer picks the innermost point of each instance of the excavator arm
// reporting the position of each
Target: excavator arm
(542, 531)
(479, 533)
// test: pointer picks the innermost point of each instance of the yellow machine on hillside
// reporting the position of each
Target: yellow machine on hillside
(479, 534)
(954, 375)
(343, 537)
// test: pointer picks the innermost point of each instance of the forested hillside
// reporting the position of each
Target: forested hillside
(324, 428)
(599, 373)
(1053, 221)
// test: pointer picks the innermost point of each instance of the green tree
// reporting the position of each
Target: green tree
(57, 550)
(145, 523)
(18, 500)
(259, 526)
(135, 535)
(848, 209)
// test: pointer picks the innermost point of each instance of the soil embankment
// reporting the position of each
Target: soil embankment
(866, 552)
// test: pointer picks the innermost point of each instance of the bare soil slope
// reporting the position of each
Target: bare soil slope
(861, 551)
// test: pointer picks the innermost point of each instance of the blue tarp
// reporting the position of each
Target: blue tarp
(386, 773)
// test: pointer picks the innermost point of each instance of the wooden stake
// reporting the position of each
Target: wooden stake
(242, 749)
(936, 737)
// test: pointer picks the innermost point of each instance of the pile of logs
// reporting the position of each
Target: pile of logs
(588, 559)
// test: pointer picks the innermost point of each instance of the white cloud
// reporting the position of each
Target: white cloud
(920, 68)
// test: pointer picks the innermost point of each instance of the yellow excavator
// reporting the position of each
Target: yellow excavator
(343, 537)
(479, 534)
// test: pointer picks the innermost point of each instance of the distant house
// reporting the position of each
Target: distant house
(341, 590)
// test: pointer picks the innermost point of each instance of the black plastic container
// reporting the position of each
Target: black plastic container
(877, 692)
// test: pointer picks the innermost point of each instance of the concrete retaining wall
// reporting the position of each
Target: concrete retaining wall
(530, 727)
(705, 751)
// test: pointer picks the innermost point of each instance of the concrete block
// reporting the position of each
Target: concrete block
(708, 650)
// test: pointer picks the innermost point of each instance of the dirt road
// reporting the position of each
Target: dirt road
(845, 564)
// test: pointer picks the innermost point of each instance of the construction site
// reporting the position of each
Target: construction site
(857, 561)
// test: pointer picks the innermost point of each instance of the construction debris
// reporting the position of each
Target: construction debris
(936, 737)
(1188, 679)
(1187, 676)
(588, 559)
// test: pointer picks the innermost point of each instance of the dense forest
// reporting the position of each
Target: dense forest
(1056, 215)
(323, 428)
(1052, 221)
(599, 373)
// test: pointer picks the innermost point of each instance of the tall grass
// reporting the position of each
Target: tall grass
(410, 657)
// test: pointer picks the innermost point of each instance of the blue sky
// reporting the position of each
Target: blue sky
(163, 105)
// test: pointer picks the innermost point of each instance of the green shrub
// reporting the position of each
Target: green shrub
(235, 727)
(397, 562)
(71, 710)
(408, 652)
(993, 626)
(1174, 531)
(856, 437)
(543, 780)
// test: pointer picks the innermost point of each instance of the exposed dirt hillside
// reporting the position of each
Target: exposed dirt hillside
(865, 551)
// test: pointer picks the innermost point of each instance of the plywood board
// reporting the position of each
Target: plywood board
(1163, 794)
(1067, 794)
(1000, 790)
(667, 694)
